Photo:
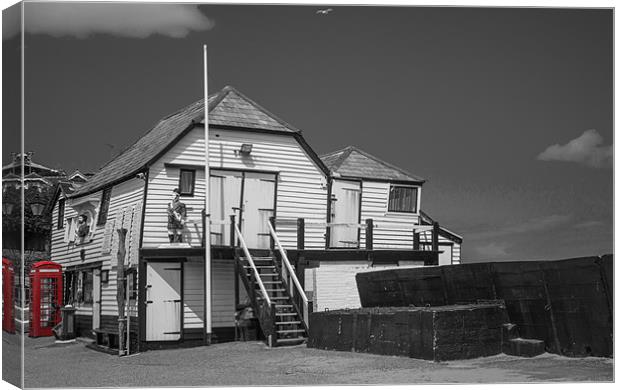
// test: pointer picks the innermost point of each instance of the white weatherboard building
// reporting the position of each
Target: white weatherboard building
(289, 230)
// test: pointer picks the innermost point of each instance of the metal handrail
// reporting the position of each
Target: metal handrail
(291, 272)
(249, 257)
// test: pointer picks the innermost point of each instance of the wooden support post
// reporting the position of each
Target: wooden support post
(416, 241)
(369, 233)
(435, 236)
(272, 243)
(301, 233)
(120, 288)
(232, 231)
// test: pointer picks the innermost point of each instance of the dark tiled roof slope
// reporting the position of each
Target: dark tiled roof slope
(227, 107)
(355, 163)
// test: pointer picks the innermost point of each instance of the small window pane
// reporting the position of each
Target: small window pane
(102, 217)
(403, 199)
(61, 214)
(186, 184)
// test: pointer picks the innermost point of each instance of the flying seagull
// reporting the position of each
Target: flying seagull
(324, 11)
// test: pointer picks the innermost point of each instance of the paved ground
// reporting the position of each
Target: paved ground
(251, 363)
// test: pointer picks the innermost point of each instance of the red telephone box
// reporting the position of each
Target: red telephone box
(46, 297)
(8, 277)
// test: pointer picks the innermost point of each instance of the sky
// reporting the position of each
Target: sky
(506, 112)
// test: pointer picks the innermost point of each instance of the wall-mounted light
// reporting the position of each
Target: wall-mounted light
(105, 275)
(245, 149)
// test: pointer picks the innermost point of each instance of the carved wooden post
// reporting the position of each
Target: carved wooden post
(369, 233)
(120, 288)
(301, 232)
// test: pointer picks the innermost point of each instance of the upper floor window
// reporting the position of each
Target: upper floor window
(187, 180)
(102, 217)
(61, 214)
(403, 199)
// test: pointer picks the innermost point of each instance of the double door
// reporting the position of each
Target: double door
(250, 197)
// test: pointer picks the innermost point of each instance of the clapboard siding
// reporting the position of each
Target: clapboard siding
(301, 187)
(127, 193)
(334, 285)
(223, 276)
(193, 293)
(392, 230)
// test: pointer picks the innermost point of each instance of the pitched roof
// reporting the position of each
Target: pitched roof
(227, 107)
(355, 163)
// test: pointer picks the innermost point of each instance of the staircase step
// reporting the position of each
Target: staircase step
(259, 266)
(257, 258)
(284, 307)
(271, 289)
(288, 323)
(291, 314)
(290, 331)
(279, 298)
(271, 282)
(291, 341)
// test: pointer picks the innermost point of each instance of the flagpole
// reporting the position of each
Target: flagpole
(207, 219)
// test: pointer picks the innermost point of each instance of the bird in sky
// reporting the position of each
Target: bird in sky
(324, 11)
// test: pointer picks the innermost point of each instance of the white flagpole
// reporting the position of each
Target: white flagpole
(207, 228)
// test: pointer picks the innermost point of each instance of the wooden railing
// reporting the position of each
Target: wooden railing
(297, 293)
(264, 308)
(369, 227)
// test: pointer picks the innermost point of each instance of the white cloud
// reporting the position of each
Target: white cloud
(587, 149)
(134, 20)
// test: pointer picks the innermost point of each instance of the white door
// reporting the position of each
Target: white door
(345, 210)
(445, 258)
(163, 301)
(258, 204)
(96, 298)
(225, 191)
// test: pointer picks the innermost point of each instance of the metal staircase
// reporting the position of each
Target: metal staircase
(276, 296)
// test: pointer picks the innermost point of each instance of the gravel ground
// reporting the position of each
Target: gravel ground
(252, 363)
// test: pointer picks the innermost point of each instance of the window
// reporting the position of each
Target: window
(61, 214)
(102, 217)
(79, 287)
(187, 180)
(403, 199)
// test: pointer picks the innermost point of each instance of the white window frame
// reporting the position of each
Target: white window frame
(403, 213)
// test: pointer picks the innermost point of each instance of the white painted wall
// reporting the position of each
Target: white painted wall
(123, 195)
(334, 283)
(301, 187)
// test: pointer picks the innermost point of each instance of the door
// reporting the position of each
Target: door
(445, 258)
(345, 210)
(258, 204)
(225, 191)
(96, 298)
(163, 301)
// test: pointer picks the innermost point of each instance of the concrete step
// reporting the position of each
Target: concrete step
(525, 347)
